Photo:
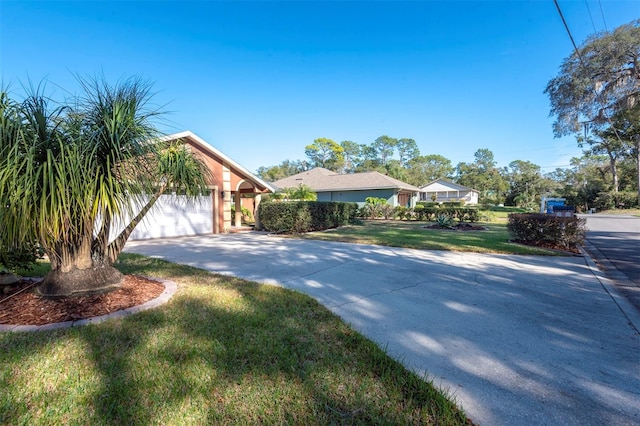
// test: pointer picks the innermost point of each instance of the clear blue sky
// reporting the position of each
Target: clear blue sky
(260, 80)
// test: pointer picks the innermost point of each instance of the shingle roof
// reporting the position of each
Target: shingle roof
(444, 185)
(321, 180)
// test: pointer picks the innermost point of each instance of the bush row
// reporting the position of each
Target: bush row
(305, 216)
(469, 214)
(566, 232)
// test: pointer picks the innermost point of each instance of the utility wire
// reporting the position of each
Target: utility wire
(581, 60)
(602, 14)
(586, 3)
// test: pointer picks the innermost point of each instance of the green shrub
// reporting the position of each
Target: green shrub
(21, 258)
(612, 200)
(305, 216)
(566, 232)
(444, 221)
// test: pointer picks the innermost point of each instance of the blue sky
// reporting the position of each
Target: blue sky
(260, 80)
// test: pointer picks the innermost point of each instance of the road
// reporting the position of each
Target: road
(614, 242)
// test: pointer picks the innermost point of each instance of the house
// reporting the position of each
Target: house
(212, 213)
(354, 187)
(445, 190)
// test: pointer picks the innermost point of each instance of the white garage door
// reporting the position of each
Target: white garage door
(175, 216)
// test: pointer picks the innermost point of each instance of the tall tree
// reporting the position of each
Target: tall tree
(599, 79)
(351, 152)
(427, 168)
(69, 173)
(385, 147)
(484, 176)
(285, 169)
(596, 83)
(526, 184)
(407, 150)
(325, 153)
(626, 130)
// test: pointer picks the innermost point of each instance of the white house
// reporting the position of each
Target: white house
(445, 190)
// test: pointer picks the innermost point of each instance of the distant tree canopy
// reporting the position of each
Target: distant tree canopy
(587, 183)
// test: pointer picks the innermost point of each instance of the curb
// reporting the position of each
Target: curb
(593, 255)
(170, 288)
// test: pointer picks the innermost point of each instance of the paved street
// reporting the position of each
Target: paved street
(517, 340)
(615, 242)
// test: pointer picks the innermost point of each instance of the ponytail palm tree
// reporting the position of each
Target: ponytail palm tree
(72, 175)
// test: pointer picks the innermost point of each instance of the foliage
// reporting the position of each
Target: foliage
(70, 173)
(324, 152)
(597, 81)
(20, 258)
(246, 214)
(305, 216)
(285, 169)
(483, 176)
(443, 220)
(611, 200)
(301, 192)
(423, 169)
(543, 228)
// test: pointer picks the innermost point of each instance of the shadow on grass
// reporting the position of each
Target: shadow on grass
(223, 350)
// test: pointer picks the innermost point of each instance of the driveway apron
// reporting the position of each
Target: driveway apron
(516, 340)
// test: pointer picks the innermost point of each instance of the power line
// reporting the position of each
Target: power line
(581, 60)
(602, 14)
(586, 3)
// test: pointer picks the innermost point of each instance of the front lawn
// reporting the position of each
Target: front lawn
(411, 234)
(222, 351)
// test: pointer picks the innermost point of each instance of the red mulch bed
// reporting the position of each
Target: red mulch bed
(27, 308)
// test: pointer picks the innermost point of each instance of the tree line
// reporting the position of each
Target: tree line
(595, 97)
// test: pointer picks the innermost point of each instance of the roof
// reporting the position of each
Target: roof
(323, 180)
(202, 144)
(444, 185)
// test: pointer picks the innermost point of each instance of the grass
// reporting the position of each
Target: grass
(631, 212)
(412, 234)
(222, 351)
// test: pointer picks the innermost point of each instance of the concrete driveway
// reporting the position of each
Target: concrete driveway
(517, 340)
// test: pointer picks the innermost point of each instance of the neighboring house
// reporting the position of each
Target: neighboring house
(355, 187)
(448, 191)
(172, 216)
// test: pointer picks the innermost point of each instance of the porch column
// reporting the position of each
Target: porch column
(238, 210)
(257, 199)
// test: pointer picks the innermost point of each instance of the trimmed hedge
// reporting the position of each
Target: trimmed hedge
(462, 214)
(567, 232)
(305, 216)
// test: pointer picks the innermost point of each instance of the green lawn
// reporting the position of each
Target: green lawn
(222, 351)
(412, 234)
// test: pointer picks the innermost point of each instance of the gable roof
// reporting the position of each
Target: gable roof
(444, 185)
(202, 144)
(323, 180)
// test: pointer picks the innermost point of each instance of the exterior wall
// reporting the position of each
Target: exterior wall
(227, 181)
(174, 216)
(358, 196)
(470, 197)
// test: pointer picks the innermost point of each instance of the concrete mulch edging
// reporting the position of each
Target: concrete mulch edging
(170, 288)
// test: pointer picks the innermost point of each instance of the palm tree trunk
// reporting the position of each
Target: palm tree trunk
(116, 246)
(75, 272)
